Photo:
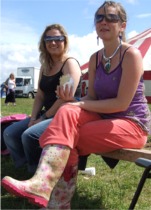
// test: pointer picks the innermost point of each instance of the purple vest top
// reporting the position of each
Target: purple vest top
(106, 86)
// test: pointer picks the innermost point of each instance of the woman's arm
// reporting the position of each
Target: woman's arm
(14, 83)
(71, 67)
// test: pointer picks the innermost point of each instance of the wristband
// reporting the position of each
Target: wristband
(77, 99)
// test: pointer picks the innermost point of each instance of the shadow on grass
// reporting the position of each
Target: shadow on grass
(11, 202)
(85, 202)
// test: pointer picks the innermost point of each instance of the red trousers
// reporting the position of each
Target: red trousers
(86, 132)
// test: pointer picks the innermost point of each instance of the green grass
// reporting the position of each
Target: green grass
(109, 189)
(24, 105)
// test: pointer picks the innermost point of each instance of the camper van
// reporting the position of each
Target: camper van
(27, 82)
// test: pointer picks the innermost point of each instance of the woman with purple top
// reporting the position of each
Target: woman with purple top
(113, 115)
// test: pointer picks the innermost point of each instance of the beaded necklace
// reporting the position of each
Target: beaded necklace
(107, 65)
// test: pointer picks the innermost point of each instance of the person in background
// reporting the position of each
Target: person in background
(10, 90)
(22, 138)
(6, 84)
(113, 115)
(3, 90)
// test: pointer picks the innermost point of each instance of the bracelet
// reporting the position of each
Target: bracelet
(77, 99)
(44, 117)
(32, 119)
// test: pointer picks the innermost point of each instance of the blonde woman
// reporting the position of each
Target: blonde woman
(22, 138)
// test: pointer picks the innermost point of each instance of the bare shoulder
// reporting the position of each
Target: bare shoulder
(71, 64)
(92, 61)
(133, 60)
(93, 57)
(131, 51)
(71, 61)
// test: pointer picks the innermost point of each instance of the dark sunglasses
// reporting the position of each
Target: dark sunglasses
(54, 38)
(110, 18)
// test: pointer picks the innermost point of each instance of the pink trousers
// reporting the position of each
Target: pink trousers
(86, 132)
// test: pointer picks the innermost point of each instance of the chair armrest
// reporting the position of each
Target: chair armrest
(143, 162)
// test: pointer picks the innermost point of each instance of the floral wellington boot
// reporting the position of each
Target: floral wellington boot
(50, 168)
(64, 190)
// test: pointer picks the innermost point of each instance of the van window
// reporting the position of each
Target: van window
(26, 82)
(19, 82)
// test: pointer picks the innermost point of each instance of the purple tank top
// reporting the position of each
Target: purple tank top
(106, 86)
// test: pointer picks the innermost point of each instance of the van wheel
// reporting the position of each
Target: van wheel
(30, 95)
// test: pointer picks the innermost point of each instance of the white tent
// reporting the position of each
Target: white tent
(143, 42)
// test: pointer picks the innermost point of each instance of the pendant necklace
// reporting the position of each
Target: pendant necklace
(107, 65)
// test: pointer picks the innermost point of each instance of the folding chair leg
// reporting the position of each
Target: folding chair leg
(139, 188)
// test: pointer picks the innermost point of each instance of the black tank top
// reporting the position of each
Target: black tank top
(48, 84)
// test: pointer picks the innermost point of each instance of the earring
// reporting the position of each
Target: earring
(120, 36)
(97, 40)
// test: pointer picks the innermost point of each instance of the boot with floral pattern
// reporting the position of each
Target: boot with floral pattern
(64, 190)
(50, 168)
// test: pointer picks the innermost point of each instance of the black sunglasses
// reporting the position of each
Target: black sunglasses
(110, 18)
(54, 38)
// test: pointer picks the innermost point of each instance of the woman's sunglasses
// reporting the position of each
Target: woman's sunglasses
(110, 18)
(54, 38)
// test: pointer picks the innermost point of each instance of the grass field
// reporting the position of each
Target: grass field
(109, 189)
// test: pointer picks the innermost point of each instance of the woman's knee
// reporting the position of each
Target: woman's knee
(34, 132)
(27, 138)
(15, 130)
(8, 134)
(31, 135)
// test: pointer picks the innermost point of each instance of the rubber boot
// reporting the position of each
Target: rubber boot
(64, 190)
(50, 168)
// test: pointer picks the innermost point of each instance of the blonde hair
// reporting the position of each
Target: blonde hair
(45, 57)
(121, 12)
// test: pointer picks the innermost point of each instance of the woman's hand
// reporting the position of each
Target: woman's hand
(33, 122)
(65, 92)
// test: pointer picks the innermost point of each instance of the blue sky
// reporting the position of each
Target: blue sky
(23, 21)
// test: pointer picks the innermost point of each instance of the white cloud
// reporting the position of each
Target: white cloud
(15, 32)
(19, 47)
(131, 34)
(94, 2)
(82, 47)
(144, 15)
(132, 1)
(15, 55)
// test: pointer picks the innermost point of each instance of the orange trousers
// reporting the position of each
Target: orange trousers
(86, 132)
